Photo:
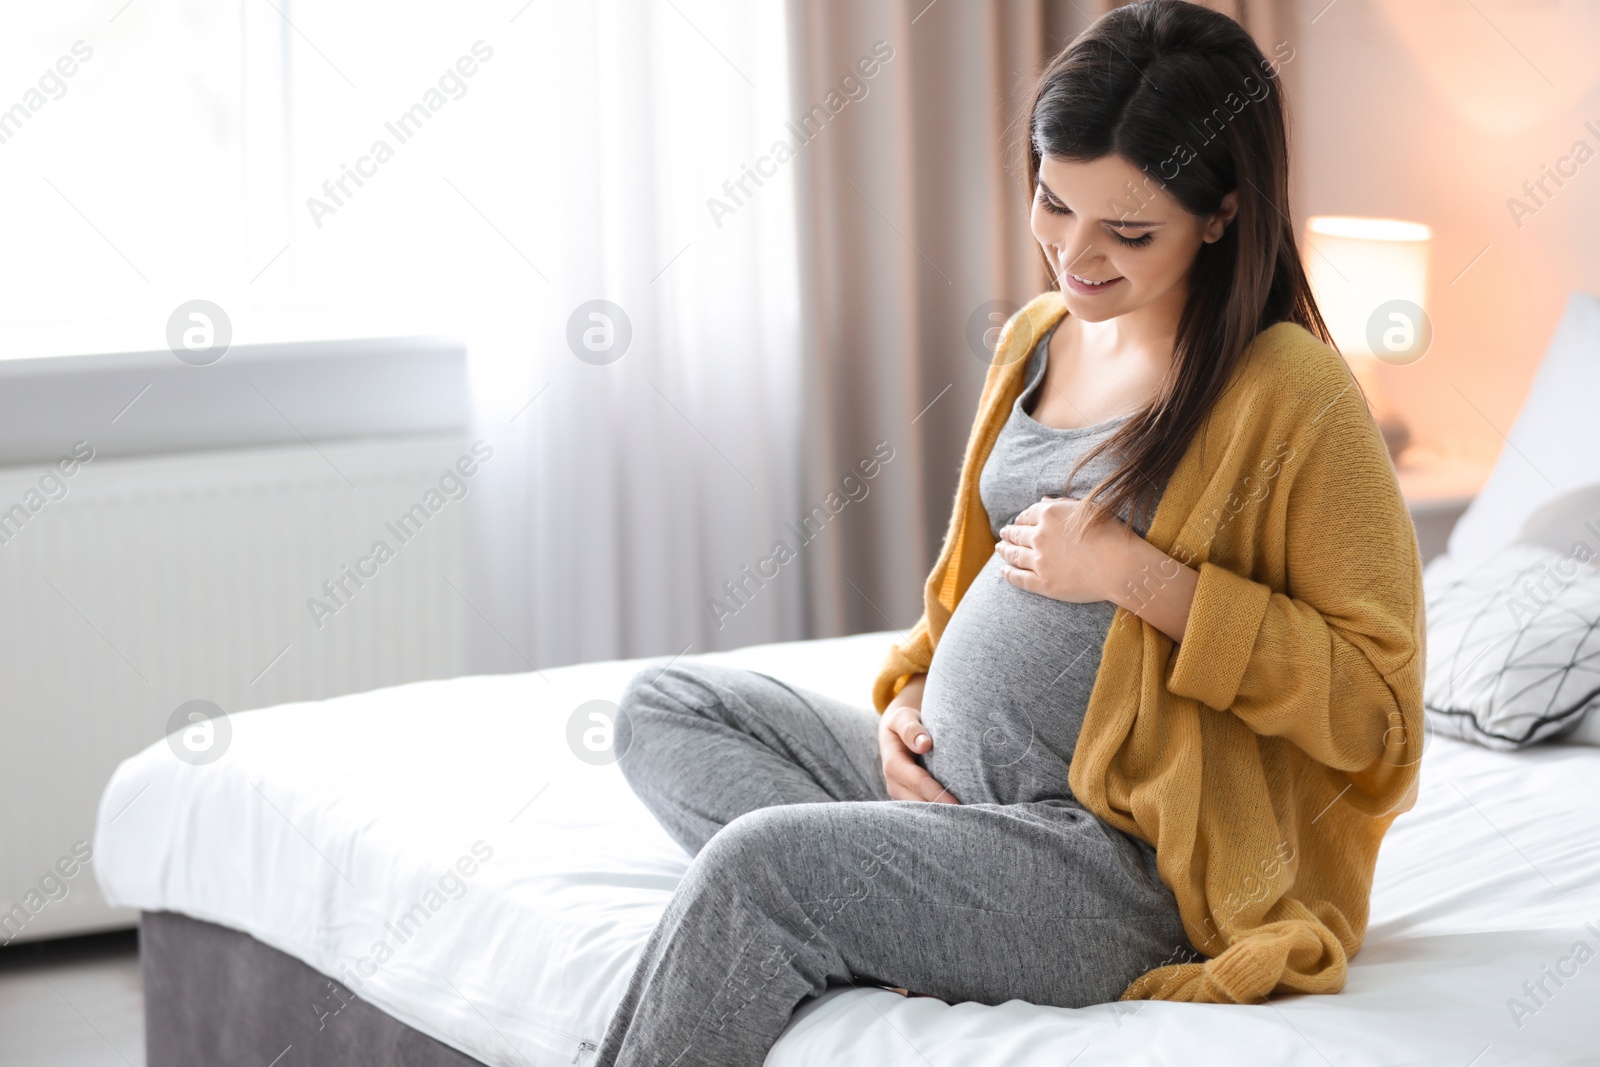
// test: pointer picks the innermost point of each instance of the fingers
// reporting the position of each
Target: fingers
(1021, 558)
(1033, 514)
(1019, 535)
(1017, 565)
(1022, 579)
(905, 778)
(907, 726)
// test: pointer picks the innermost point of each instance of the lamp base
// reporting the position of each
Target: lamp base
(1396, 435)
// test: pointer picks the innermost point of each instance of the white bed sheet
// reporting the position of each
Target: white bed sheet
(326, 822)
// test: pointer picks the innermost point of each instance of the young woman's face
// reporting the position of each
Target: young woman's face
(1105, 222)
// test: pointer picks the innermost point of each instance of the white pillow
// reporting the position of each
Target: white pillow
(1554, 444)
(1513, 645)
(1566, 522)
(1587, 733)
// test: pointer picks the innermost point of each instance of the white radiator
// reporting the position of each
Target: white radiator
(133, 586)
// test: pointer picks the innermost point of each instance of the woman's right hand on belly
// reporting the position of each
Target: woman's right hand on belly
(902, 737)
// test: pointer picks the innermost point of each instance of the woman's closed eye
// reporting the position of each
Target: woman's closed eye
(1056, 207)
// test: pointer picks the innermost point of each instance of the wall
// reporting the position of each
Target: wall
(1438, 111)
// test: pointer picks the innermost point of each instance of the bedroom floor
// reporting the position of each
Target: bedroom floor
(72, 1003)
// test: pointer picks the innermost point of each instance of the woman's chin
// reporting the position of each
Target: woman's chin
(1088, 309)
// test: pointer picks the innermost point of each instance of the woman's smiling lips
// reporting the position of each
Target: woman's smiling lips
(1078, 285)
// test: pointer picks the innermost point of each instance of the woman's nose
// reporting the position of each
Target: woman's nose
(1076, 258)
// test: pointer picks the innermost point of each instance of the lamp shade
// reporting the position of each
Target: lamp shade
(1370, 280)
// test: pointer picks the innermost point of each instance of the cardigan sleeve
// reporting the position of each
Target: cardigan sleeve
(1317, 663)
(904, 660)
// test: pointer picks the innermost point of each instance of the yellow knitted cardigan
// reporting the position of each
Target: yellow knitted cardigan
(1267, 758)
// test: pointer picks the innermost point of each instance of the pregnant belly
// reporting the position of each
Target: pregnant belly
(1006, 690)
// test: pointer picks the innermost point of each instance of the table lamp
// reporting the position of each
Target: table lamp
(1370, 280)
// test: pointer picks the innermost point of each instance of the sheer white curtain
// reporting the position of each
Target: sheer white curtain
(598, 152)
(627, 491)
(542, 156)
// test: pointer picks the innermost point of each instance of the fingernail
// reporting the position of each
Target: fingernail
(921, 738)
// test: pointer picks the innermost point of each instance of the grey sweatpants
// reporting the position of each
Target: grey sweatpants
(805, 873)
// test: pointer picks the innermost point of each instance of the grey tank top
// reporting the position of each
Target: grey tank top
(1011, 675)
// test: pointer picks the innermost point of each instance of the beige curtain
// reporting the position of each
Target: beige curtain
(913, 219)
(913, 238)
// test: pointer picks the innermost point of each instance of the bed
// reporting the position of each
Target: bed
(431, 875)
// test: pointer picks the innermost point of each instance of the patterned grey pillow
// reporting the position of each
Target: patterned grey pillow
(1513, 645)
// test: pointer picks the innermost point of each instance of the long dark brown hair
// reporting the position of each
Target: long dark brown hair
(1185, 95)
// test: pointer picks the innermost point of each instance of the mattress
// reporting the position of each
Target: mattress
(442, 849)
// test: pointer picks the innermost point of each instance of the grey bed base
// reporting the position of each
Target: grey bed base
(217, 996)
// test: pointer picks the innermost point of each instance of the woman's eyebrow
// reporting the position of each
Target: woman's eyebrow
(1118, 222)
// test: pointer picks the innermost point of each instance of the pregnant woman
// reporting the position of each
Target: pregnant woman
(1165, 696)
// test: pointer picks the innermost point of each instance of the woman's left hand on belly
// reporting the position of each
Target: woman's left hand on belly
(1110, 562)
(1041, 556)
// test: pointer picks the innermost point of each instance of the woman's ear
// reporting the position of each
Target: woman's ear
(1217, 223)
